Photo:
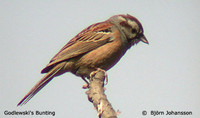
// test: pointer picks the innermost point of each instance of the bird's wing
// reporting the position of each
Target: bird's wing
(89, 39)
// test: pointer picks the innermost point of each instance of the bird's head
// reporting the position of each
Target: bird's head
(130, 27)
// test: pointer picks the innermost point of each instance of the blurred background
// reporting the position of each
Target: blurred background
(161, 76)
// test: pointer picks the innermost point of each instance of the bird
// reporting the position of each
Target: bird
(99, 46)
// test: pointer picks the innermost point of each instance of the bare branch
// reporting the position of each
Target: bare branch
(97, 96)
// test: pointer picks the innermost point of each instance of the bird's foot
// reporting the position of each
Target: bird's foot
(87, 85)
(92, 74)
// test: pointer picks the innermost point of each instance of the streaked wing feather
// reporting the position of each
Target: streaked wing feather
(87, 40)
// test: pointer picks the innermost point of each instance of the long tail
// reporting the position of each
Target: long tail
(44, 81)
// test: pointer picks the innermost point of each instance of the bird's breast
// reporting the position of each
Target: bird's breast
(103, 57)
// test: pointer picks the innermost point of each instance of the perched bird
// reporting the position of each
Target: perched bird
(99, 46)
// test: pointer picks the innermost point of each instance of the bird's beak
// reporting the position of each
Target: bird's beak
(143, 39)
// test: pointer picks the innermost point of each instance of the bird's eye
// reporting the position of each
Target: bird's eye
(133, 31)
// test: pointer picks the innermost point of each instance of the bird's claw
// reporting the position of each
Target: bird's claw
(85, 86)
(92, 74)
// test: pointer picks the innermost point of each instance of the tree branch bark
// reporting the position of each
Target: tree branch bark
(97, 96)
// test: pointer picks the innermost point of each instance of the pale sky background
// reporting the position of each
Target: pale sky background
(162, 76)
